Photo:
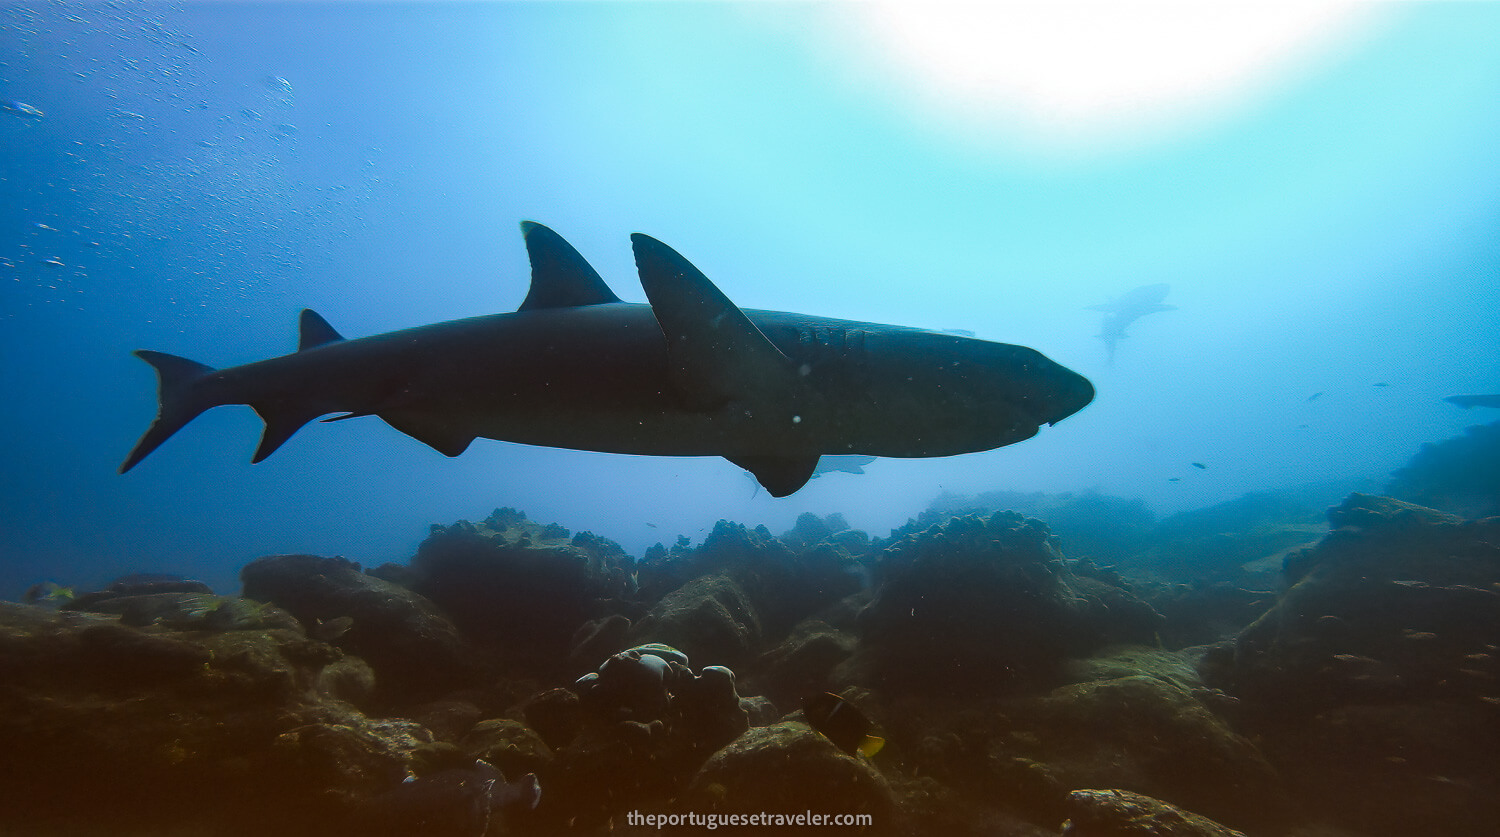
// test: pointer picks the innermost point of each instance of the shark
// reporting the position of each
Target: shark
(687, 373)
(1128, 307)
(1468, 401)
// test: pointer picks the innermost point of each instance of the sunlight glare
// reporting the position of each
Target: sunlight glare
(1093, 73)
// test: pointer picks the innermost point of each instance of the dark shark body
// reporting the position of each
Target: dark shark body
(688, 374)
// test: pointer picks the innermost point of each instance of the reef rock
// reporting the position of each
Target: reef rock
(788, 768)
(1374, 682)
(784, 580)
(519, 588)
(116, 729)
(710, 618)
(987, 603)
(1397, 603)
(1459, 475)
(1119, 813)
(417, 654)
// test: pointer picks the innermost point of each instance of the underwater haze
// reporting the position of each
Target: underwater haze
(187, 178)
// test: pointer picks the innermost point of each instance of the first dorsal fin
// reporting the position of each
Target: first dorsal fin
(560, 278)
(715, 352)
(314, 331)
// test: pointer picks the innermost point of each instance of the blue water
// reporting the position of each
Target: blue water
(200, 173)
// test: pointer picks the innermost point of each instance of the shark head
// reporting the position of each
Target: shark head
(944, 394)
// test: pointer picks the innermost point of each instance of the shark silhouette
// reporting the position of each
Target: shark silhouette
(688, 374)
(1128, 307)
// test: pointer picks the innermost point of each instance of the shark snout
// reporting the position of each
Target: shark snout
(1070, 392)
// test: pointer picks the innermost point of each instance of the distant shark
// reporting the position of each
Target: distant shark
(829, 463)
(688, 374)
(1126, 309)
(1467, 401)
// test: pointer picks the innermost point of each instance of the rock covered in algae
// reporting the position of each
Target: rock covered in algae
(986, 603)
(1120, 813)
(415, 650)
(519, 588)
(787, 767)
(127, 729)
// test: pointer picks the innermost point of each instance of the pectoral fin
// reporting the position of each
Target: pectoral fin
(779, 475)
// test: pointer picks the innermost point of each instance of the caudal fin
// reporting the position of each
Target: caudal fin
(175, 379)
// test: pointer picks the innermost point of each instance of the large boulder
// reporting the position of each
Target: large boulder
(787, 768)
(416, 652)
(980, 604)
(520, 588)
(710, 618)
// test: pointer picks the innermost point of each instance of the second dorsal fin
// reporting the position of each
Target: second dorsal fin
(560, 277)
(314, 331)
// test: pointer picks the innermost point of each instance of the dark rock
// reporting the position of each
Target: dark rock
(519, 588)
(594, 641)
(983, 604)
(556, 715)
(759, 710)
(1374, 682)
(705, 714)
(783, 582)
(448, 719)
(1099, 526)
(1120, 813)
(115, 729)
(788, 768)
(1394, 605)
(509, 745)
(802, 663)
(415, 651)
(1154, 736)
(710, 618)
(1459, 475)
(1200, 613)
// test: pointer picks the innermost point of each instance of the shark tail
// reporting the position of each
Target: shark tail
(179, 397)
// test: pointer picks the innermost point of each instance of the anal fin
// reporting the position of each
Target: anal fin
(779, 475)
(438, 435)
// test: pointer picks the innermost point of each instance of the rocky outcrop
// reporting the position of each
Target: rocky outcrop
(1374, 681)
(415, 651)
(982, 604)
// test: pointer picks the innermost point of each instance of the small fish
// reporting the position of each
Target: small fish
(21, 109)
(1200, 466)
(1314, 396)
(1174, 479)
(49, 592)
(330, 629)
(841, 723)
